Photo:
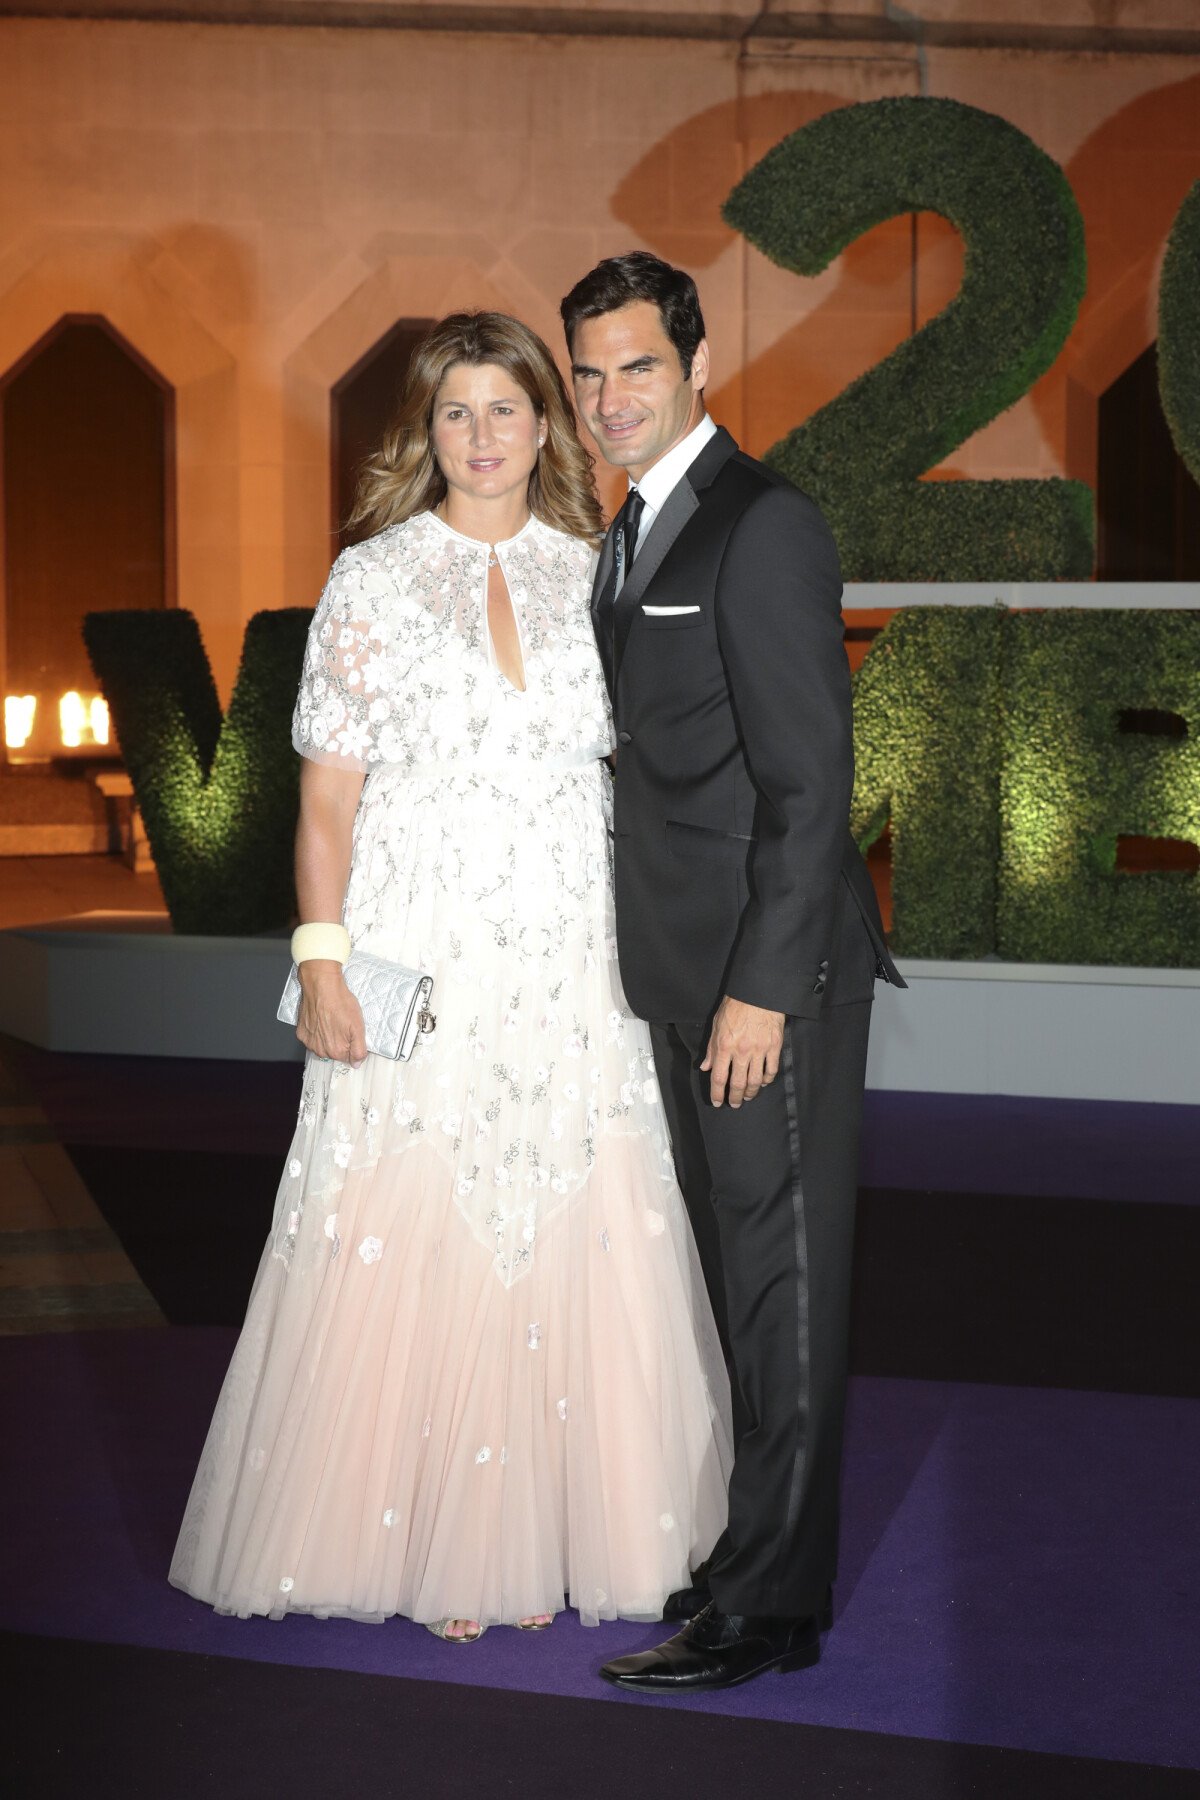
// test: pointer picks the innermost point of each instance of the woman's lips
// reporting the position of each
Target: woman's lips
(484, 464)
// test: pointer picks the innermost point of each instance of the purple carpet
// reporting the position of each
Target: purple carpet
(1008, 1144)
(1020, 1567)
(948, 1143)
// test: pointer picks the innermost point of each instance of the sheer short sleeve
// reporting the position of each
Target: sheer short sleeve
(342, 709)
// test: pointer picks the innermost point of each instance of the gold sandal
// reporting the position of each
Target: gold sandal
(536, 1622)
(440, 1628)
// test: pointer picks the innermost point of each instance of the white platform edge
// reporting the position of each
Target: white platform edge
(1043, 1030)
(134, 993)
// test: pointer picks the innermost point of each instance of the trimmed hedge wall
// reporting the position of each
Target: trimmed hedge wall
(927, 753)
(218, 799)
(1071, 782)
(1179, 332)
(860, 456)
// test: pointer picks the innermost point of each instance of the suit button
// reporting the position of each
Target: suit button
(819, 987)
(624, 737)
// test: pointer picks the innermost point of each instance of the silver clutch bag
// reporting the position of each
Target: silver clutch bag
(394, 1001)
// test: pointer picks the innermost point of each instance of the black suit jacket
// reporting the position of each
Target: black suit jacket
(735, 869)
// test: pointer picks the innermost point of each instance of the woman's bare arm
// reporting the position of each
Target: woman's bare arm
(330, 1021)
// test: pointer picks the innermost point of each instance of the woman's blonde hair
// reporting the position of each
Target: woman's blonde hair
(403, 477)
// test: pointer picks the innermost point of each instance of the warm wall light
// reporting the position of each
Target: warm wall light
(98, 720)
(72, 717)
(19, 710)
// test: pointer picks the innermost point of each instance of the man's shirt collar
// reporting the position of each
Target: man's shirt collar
(658, 482)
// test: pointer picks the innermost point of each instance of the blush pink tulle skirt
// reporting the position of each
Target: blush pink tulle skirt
(479, 1376)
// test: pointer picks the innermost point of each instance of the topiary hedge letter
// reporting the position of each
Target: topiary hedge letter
(860, 457)
(218, 798)
(926, 750)
(1072, 782)
(1179, 332)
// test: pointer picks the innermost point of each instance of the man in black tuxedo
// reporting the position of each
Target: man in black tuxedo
(747, 934)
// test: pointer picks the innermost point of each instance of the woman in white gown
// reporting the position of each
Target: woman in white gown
(479, 1373)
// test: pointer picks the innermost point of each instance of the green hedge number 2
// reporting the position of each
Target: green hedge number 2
(861, 456)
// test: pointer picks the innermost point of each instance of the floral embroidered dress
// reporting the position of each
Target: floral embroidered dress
(479, 1371)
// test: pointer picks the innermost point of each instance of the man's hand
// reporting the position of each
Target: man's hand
(743, 1051)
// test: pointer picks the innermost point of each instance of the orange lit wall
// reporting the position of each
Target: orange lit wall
(253, 207)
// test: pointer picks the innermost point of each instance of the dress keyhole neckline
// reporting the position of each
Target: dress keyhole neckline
(493, 550)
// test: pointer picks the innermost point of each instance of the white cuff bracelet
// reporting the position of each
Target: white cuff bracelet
(325, 943)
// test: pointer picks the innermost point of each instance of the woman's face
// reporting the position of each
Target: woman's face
(486, 434)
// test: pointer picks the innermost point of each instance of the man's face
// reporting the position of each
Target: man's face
(631, 392)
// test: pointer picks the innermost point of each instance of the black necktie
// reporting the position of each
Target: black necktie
(628, 521)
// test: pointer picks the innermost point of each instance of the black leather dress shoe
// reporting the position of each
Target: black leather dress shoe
(686, 1603)
(719, 1650)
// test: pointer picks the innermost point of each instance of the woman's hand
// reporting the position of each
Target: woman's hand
(331, 1021)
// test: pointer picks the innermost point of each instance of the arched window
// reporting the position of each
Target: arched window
(364, 403)
(88, 436)
(1148, 505)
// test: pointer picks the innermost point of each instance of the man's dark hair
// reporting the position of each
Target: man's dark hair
(639, 276)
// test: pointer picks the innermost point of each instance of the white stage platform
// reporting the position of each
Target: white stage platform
(1047, 1030)
(104, 984)
(99, 984)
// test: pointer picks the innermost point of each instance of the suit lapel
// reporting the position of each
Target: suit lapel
(711, 460)
(678, 508)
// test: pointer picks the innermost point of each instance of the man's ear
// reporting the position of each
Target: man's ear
(700, 366)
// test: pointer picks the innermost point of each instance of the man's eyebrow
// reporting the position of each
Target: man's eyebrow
(635, 362)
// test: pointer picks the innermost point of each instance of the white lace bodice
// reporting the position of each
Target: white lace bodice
(400, 671)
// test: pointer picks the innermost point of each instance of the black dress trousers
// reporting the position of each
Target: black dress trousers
(770, 1188)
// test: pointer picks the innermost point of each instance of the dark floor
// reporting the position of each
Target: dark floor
(1021, 1553)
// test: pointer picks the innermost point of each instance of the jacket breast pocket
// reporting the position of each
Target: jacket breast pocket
(671, 620)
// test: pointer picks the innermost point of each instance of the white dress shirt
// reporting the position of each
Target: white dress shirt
(662, 477)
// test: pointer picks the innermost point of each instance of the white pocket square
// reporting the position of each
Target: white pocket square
(668, 612)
